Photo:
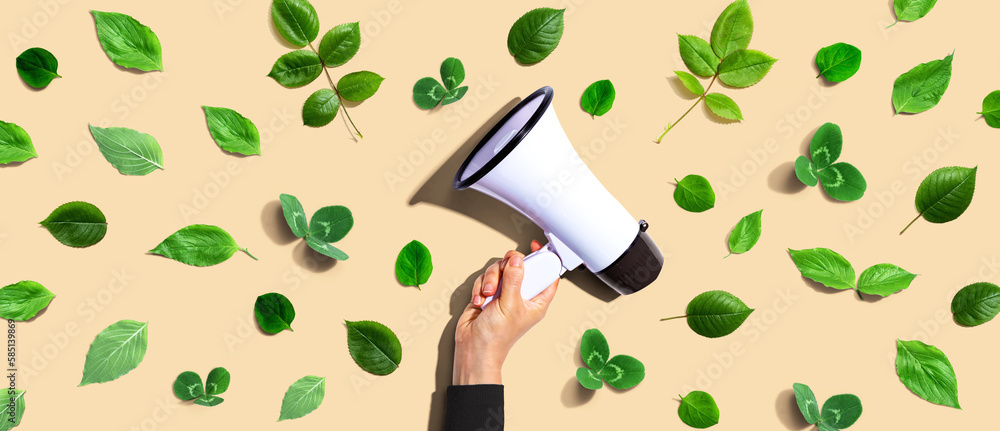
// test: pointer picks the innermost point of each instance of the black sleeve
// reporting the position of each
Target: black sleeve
(474, 408)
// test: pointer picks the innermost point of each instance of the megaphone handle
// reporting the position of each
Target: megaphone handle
(541, 268)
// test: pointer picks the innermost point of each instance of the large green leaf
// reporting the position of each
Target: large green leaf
(535, 35)
(304, 396)
(340, 44)
(723, 106)
(127, 42)
(297, 68)
(806, 400)
(824, 266)
(15, 144)
(698, 410)
(14, 397)
(231, 131)
(374, 347)
(946, 193)
(976, 304)
(884, 279)
(841, 411)
(320, 108)
(129, 151)
(274, 313)
(716, 313)
(744, 67)
(697, 55)
(77, 224)
(594, 349)
(805, 171)
(331, 224)
(838, 62)
(746, 233)
(359, 86)
(413, 264)
(23, 300)
(991, 110)
(911, 10)
(296, 20)
(37, 67)
(295, 215)
(927, 372)
(188, 386)
(843, 182)
(623, 372)
(118, 349)
(598, 98)
(826, 145)
(922, 87)
(199, 245)
(733, 29)
(694, 193)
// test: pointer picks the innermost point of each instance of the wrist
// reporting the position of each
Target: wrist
(477, 366)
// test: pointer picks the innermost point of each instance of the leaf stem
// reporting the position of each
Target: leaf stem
(696, 102)
(894, 23)
(859, 294)
(334, 87)
(248, 254)
(911, 222)
(672, 318)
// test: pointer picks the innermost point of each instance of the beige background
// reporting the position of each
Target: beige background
(218, 53)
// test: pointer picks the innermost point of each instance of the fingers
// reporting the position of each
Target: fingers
(513, 274)
(535, 246)
(477, 289)
(491, 281)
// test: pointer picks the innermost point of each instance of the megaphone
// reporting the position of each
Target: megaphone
(527, 162)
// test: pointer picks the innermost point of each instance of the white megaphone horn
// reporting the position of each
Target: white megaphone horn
(527, 162)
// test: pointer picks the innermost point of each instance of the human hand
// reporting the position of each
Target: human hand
(485, 335)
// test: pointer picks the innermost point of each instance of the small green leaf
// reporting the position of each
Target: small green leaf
(129, 151)
(296, 20)
(15, 144)
(188, 386)
(723, 106)
(331, 224)
(975, 304)
(744, 67)
(945, 194)
(838, 62)
(452, 73)
(698, 410)
(77, 224)
(232, 132)
(594, 349)
(824, 266)
(698, 56)
(37, 67)
(374, 347)
(843, 182)
(325, 249)
(991, 109)
(841, 411)
(454, 95)
(199, 245)
(359, 86)
(427, 93)
(694, 193)
(23, 300)
(690, 82)
(927, 372)
(826, 145)
(716, 313)
(118, 349)
(588, 379)
(295, 215)
(209, 401)
(297, 68)
(598, 98)
(413, 264)
(127, 42)
(733, 29)
(806, 171)
(922, 87)
(807, 402)
(911, 10)
(302, 397)
(217, 381)
(320, 108)
(274, 313)
(340, 44)
(535, 35)
(15, 398)
(623, 372)
(884, 279)
(745, 234)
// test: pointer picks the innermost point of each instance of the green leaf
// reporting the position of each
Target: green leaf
(927, 372)
(374, 347)
(76, 224)
(824, 266)
(975, 304)
(296, 20)
(127, 42)
(807, 402)
(716, 313)
(295, 215)
(15, 144)
(413, 264)
(594, 349)
(991, 109)
(188, 386)
(217, 381)
(325, 248)
(884, 279)
(598, 98)
(744, 67)
(698, 410)
(922, 87)
(37, 67)
(304, 396)
(733, 29)
(359, 86)
(838, 62)
(427, 93)
(945, 194)
(623, 372)
(452, 73)
(843, 182)
(826, 145)
(723, 106)
(340, 44)
(297, 68)
(331, 224)
(274, 313)
(841, 411)
(15, 397)
(320, 108)
(23, 300)
(231, 131)
(129, 151)
(690, 82)
(454, 95)
(209, 401)
(806, 171)
(535, 35)
(588, 379)
(745, 234)
(911, 10)
(694, 193)
(118, 349)
(199, 245)
(698, 55)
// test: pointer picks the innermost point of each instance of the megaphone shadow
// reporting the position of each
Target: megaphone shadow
(438, 190)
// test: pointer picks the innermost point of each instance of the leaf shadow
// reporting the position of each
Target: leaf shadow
(312, 260)
(679, 89)
(783, 179)
(13, 164)
(574, 394)
(788, 411)
(272, 220)
(32, 89)
(715, 118)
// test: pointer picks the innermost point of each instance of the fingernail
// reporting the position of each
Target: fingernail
(488, 289)
(477, 300)
(515, 261)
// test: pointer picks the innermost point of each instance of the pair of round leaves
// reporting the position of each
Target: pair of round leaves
(620, 371)
(329, 224)
(841, 180)
(274, 313)
(715, 313)
(199, 245)
(188, 387)
(839, 411)
(298, 22)
(413, 264)
(535, 35)
(37, 67)
(832, 270)
(428, 92)
(945, 194)
(77, 224)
